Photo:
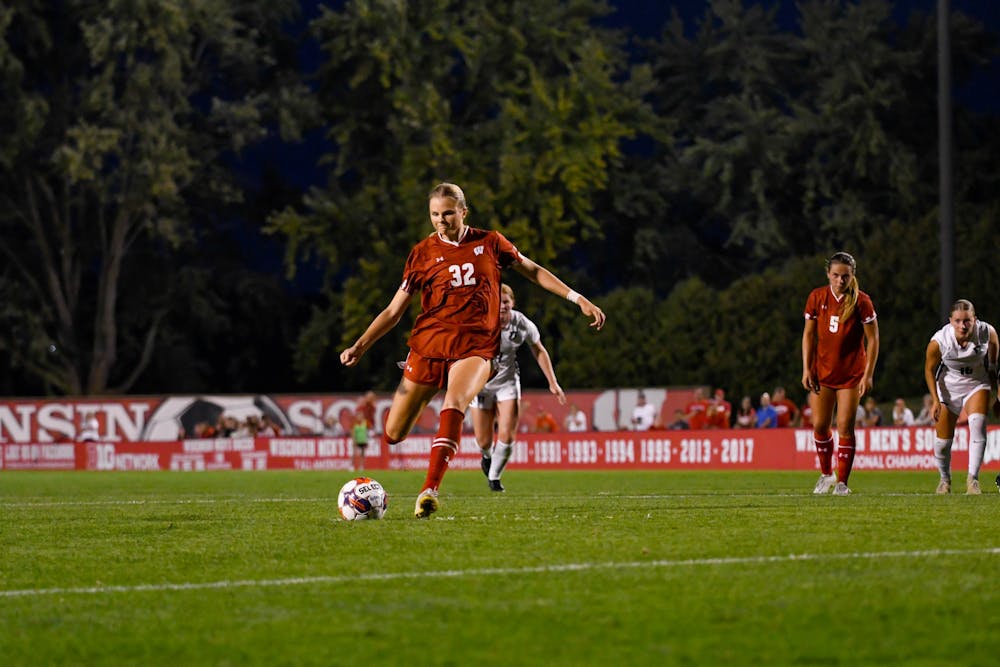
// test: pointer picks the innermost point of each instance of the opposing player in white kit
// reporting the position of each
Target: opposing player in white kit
(960, 370)
(500, 400)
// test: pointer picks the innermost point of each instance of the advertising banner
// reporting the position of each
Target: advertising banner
(904, 448)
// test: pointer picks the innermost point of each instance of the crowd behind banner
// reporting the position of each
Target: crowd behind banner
(170, 418)
(702, 410)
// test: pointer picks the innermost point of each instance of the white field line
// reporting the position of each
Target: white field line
(502, 571)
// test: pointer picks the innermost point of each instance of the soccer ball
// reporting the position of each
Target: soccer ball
(362, 498)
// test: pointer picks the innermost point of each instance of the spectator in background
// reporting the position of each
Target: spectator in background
(806, 414)
(204, 430)
(696, 412)
(227, 426)
(901, 415)
(679, 423)
(720, 411)
(767, 416)
(249, 428)
(332, 428)
(872, 415)
(643, 414)
(90, 429)
(545, 422)
(788, 412)
(746, 416)
(268, 427)
(926, 415)
(366, 407)
(576, 420)
(359, 436)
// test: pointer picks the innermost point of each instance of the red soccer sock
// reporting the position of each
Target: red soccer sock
(824, 450)
(444, 446)
(845, 458)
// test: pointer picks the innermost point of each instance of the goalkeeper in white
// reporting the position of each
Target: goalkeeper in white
(499, 403)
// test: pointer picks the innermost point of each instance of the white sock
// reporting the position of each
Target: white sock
(942, 452)
(977, 443)
(501, 454)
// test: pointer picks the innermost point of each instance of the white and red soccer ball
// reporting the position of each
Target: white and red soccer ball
(362, 498)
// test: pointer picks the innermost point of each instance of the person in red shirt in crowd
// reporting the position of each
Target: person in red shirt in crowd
(719, 410)
(457, 333)
(366, 408)
(806, 415)
(696, 412)
(840, 344)
(788, 412)
(545, 422)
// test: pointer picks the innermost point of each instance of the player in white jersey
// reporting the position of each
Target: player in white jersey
(960, 370)
(500, 400)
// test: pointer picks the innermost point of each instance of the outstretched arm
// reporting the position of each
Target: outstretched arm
(380, 326)
(872, 343)
(548, 280)
(545, 363)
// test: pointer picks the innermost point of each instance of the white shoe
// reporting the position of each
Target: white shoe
(841, 490)
(943, 487)
(824, 484)
(972, 487)
(427, 504)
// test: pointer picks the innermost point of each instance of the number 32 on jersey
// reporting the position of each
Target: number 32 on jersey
(462, 275)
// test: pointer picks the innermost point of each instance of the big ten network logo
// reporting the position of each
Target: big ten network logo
(104, 456)
(100, 457)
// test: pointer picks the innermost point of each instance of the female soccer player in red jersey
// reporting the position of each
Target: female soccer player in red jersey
(457, 333)
(839, 351)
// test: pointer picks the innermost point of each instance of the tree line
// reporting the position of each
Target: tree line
(204, 196)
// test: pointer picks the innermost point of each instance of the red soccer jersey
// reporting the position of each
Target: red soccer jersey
(697, 412)
(784, 408)
(460, 300)
(840, 345)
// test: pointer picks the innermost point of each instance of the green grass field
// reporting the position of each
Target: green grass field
(567, 568)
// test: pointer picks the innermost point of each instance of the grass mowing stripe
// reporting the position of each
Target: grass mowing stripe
(318, 499)
(501, 571)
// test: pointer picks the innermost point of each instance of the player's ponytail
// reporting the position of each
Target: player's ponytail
(851, 294)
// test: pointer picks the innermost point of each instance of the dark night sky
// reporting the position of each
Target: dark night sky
(645, 19)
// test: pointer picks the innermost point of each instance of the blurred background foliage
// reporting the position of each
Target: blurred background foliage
(208, 196)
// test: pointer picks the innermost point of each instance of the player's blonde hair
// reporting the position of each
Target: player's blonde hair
(506, 289)
(851, 294)
(448, 190)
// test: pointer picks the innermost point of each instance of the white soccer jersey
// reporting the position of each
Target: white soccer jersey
(519, 331)
(963, 369)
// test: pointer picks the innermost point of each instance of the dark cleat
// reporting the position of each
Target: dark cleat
(495, 485)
